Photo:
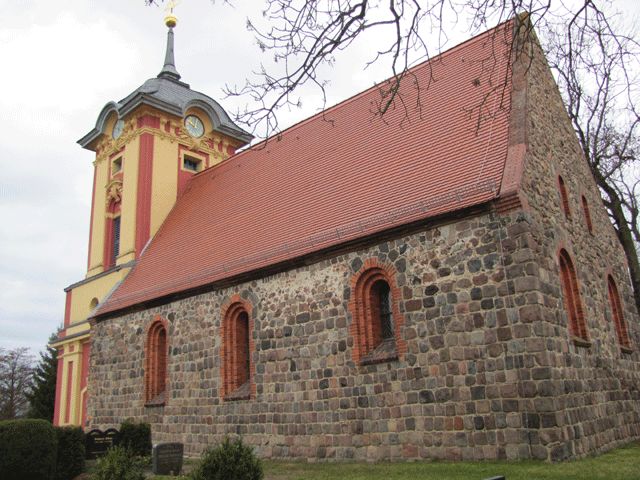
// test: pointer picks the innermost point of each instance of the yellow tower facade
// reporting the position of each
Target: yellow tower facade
(147, 146)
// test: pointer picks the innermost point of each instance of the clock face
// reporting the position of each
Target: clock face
(194, 126)
(117, 129)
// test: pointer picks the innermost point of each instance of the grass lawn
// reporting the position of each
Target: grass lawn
(620, 464)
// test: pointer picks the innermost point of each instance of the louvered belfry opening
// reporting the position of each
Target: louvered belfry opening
(571, 295)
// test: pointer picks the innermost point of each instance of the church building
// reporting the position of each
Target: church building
(440, 282)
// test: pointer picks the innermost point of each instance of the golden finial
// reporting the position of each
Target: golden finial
(171, 20)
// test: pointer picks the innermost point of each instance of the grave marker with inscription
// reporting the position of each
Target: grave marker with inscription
(98, 442)
(167, 458)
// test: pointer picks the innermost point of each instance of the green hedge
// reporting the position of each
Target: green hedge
(136, 437)
(71, 453)
(231, 459)
(27, 450)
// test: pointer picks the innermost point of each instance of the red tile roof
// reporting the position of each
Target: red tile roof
(326, 182)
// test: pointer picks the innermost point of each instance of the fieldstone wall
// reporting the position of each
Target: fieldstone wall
(454, 394)
(594, 391)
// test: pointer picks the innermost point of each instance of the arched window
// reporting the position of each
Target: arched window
(618, 316)
(237, 345)
(564, 197)
(571, 295)
(376, 320)
(155, 375)
(112, 235)
(587, 214)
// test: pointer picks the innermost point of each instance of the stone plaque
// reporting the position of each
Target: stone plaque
(167, 458)
(98, 442)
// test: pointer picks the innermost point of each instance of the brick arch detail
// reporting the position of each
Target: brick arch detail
(564, 197)
(617, 313)
(362, 330)
(156, 370)
(230, 353)
(571, 296)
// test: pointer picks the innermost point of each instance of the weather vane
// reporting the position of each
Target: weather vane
(171, 20)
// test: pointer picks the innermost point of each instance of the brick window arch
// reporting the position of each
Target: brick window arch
(564, 197)
(155, 373)
(376, 320)
(618, 316)
(571, 295)
(237, 348)
(587, 214)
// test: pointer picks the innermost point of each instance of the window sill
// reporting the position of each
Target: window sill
(581, 342)
(385, 352)
(157, 401)
(626, 350)
(241, 393)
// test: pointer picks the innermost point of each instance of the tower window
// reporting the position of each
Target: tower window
(572, 302)
(192, 164)
(116, 165)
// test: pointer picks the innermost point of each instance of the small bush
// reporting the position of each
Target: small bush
(71, 452)
(119, 464)
(27, 450)
(136, 437)
(230, 459)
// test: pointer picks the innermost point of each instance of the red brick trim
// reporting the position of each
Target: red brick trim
(232, 331)
(144, 193)
(571, 296)
(618, 315)
(366, 336)
(564, 197)
(586, 213)
(156, 353)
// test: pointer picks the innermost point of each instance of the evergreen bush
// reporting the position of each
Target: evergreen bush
(27, 450)
(71, 452)
(119, 464)
(229, 460)
(136, 437)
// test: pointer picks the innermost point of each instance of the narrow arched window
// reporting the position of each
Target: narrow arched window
(564, 197)
(112, 235)
(236, 352)
(618, 316)
(587, 214)
(375, 316)
(571, 295)
(156, 364)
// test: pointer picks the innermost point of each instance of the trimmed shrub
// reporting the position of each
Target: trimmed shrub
(27, 450)
(71, 452)
(230, 459)
(136, 437)
(119, 464)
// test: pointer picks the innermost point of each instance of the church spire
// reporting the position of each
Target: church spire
(169, 69)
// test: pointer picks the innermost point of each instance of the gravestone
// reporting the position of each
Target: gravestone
(167, 458)
(98, 442)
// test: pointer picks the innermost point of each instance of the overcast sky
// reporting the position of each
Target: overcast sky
(61, 62)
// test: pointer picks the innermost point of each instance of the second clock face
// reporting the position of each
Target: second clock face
(117, 129)
(194, 126)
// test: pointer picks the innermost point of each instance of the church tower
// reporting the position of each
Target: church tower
(147, 146)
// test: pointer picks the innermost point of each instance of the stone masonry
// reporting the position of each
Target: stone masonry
(488, 370)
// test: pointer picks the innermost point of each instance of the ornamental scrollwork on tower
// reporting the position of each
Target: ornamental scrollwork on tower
(114, 192)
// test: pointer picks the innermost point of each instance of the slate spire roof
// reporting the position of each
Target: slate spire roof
(339, 176)
(167, 93)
